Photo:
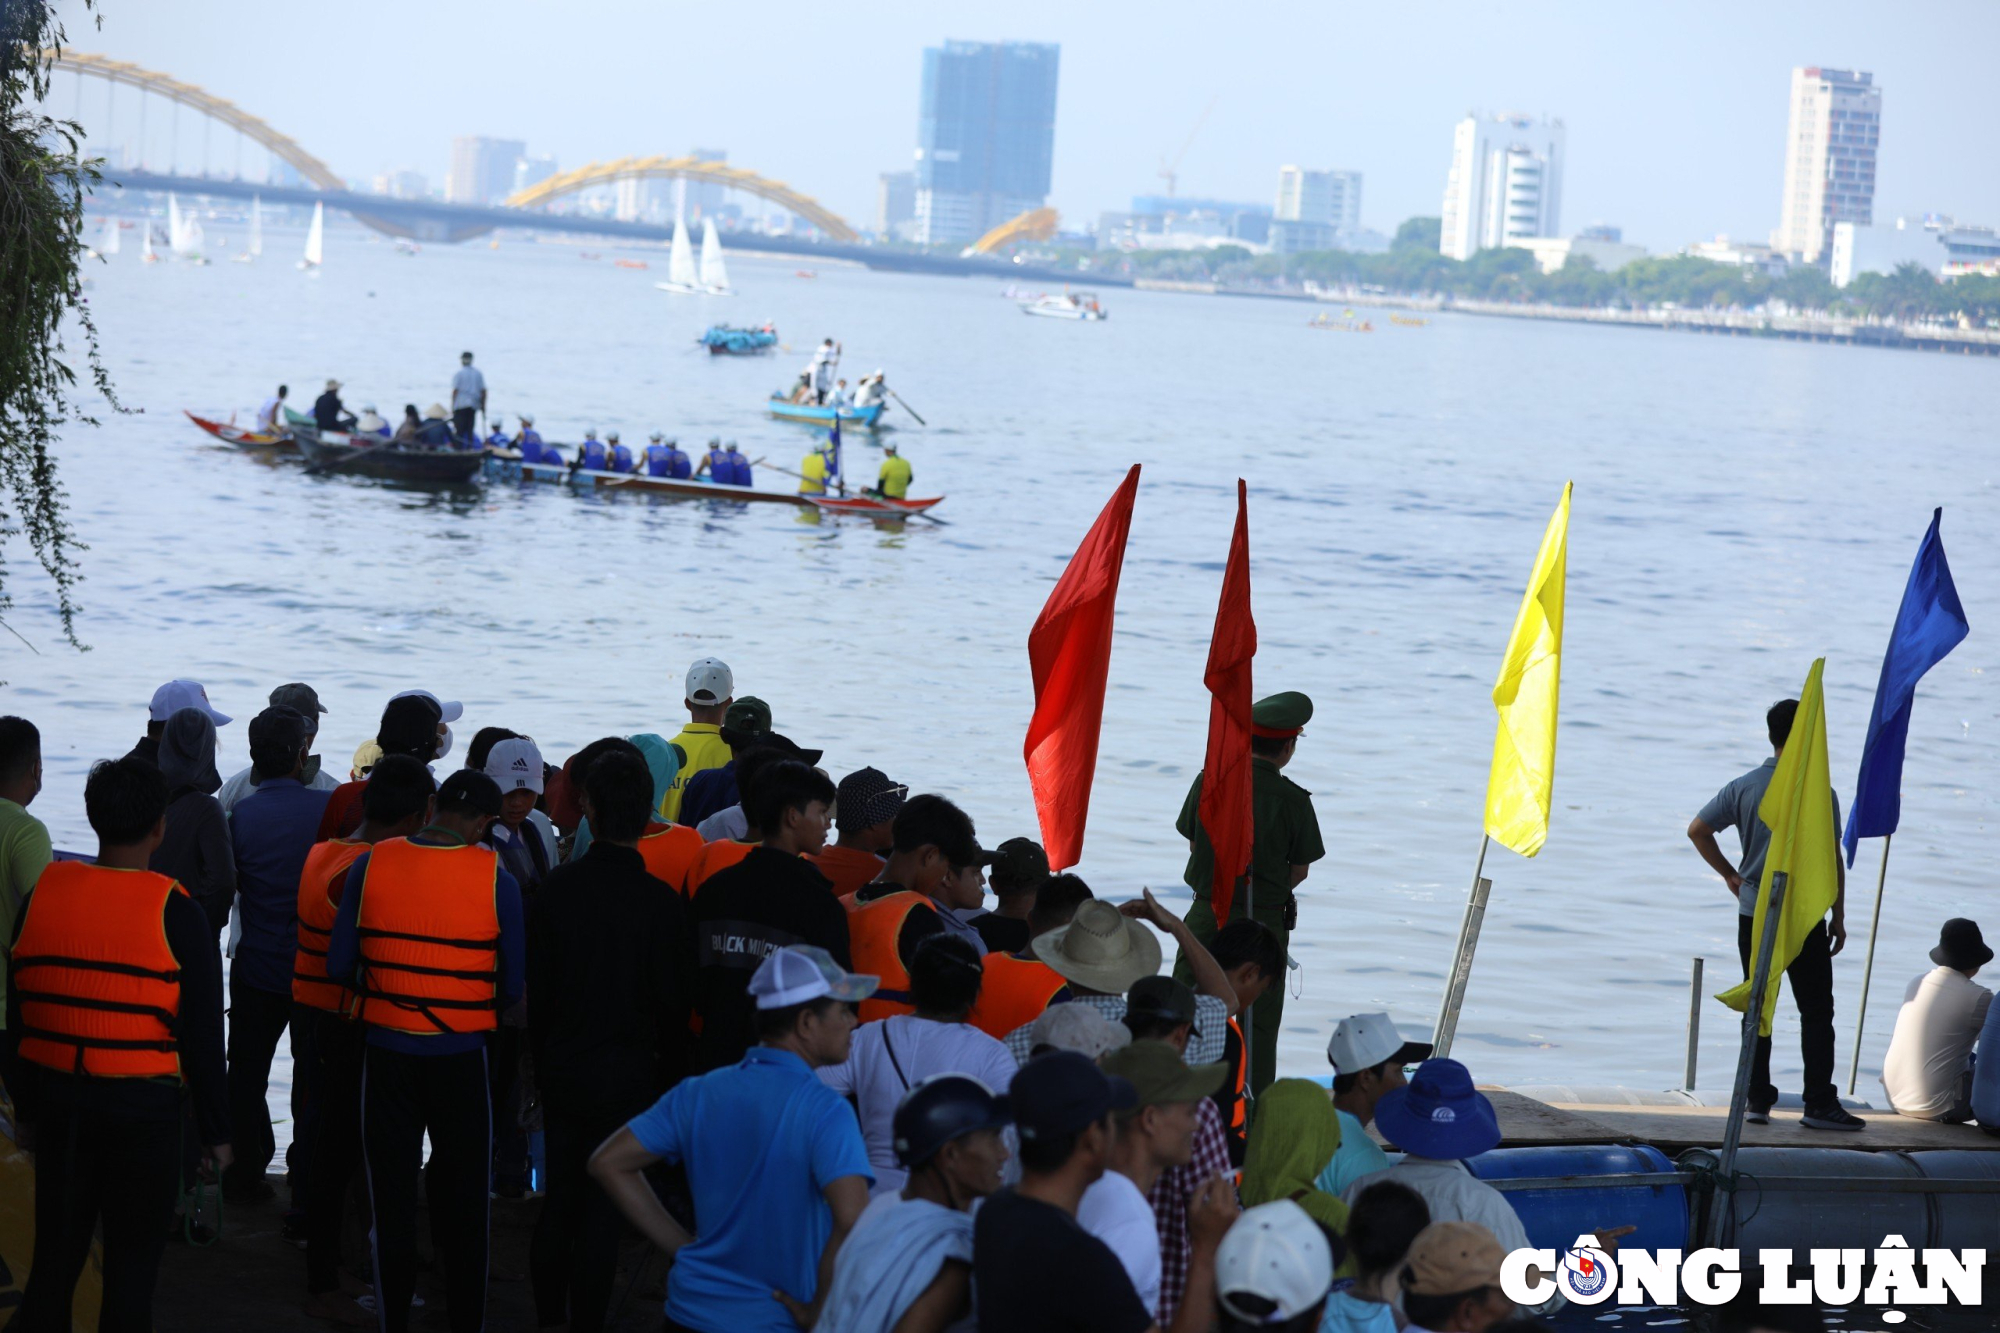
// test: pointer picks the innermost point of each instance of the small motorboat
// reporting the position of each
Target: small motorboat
(630, 263)
(812, 414)
(372, 456)
(722, 340)
(1067, 305)
(231, 433)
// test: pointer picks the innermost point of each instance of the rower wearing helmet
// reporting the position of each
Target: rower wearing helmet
(621, 457)
(529, 441)
(590, 454)
(715, 463)
(498, 439)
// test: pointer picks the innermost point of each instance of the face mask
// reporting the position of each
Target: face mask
(310, 771)
(444, 743)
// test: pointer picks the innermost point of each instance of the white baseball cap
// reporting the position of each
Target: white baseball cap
(1277, 1253)
(1080, 1028)
(175, 695)
(709, 682)
(516, 765)
(800, 973)
(1362, 1041)
(448, 711)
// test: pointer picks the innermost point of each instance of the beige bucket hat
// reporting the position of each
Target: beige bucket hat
(1100, 949)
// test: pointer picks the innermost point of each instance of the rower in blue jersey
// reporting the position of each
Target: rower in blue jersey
(529, 442)
(498, 439)
(663, 455)
(621, 456)
(590, 454)
(739, 466)
(715, 464)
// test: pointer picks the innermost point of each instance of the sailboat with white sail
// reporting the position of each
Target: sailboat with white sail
(184, 234)
(682, 279)
(714, 276)
(249, 256)
(146, 252)
(107, 239)
(315, 241)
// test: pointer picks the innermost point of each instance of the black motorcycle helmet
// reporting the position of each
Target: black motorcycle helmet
(939, 1109)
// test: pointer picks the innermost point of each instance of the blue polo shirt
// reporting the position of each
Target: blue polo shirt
(270, 831)
(761, 1141)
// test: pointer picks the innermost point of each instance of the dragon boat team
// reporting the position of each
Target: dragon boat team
(430, 937)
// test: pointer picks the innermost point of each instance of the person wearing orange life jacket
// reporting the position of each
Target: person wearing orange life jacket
(115, 996)
(1250, 954)
(935, 866)
(429, 935)
(396, 803)
(1018, 986)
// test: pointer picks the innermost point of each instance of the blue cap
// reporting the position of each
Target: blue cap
(1063, 1092)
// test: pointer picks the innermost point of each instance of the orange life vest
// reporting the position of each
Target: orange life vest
(320, 884)
(430, 938)
(1239, 1113)
(99, 988)
(670, 851)
(713, 857)
(873, 929)
(1014, 991)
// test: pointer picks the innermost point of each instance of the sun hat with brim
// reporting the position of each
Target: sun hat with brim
(1448, 1258)
(1960, 945)
(435, 412)
(1438, 1114)
(1277, 1255)
(1100, 949)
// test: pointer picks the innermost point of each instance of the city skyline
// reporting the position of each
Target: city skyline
(1672, 134)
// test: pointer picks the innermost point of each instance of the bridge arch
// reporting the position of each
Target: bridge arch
(661, 167)
(208, 104)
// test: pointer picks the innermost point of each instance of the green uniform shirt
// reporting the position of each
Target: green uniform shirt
(24, 854)
(1287, 835)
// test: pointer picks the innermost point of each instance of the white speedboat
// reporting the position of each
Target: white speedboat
(1068, 305)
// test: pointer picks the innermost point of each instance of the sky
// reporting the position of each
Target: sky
(1675, 113)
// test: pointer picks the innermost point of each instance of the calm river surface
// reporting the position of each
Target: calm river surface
(1741, 507)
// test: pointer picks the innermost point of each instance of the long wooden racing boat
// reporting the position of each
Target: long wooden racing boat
(370, 456)
(811, 414)
(504, 468)
(232, 434)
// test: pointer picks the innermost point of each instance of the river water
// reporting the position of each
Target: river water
(1741, 507)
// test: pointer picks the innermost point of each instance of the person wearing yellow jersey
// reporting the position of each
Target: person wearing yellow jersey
(894, 481)
(817, 472)
(710, 690)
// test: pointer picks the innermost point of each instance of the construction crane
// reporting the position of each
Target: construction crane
(1170, 170)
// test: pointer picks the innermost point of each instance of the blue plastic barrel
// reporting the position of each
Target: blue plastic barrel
(1554, 1218)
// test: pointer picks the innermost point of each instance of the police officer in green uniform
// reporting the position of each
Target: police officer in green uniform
(1286, 843)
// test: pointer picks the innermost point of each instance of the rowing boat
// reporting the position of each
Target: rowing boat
(370, 456)
(504, 468)
(812, 414)
(241, 438)
(721, 338)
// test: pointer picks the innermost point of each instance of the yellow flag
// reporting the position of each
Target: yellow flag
(1798, 809)
(1522, 782)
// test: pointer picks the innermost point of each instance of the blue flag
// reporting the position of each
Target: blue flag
(1928, 626)
(834, 437)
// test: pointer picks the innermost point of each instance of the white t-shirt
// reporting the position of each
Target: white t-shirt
(1116, 1213)
(267, 415)
(889, 1057)
(1942, 1013)
(466, 386)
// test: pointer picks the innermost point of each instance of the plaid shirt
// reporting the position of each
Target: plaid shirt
(1173, 1192)
(1211, 1025)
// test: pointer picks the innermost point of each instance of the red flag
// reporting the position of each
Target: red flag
(1069, 651)
(1225, 772)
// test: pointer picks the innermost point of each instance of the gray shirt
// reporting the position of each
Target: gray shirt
(466, 387)
(1735, 806)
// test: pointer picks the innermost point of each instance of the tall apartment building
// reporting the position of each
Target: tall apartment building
(1830, 144)
(986, 132)
(1505, 183)
(482, 169)
(1329, 197)
(531, 171)
(896, 204)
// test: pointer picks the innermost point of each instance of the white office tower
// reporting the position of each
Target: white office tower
(1505, 183)
(1830, 145)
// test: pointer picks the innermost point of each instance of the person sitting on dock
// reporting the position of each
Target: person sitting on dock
(1927, 1073)
(621, 453)
(1367, 1054)
(529, 442)
(893, 482)
(328, 414)
(435, 430)
(371, 422)
(1811, 972)
(591, 455)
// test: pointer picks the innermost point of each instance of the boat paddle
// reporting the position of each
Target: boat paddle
(907, 408)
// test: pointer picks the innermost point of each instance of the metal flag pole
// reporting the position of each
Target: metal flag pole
(1694, 1024)
(1249, 1023)
(1868, 967)
(1461, 961)
(1724, 1183)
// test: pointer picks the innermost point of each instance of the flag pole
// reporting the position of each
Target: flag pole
(1723, 1182)
(1868, 967)
(1461, 960)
